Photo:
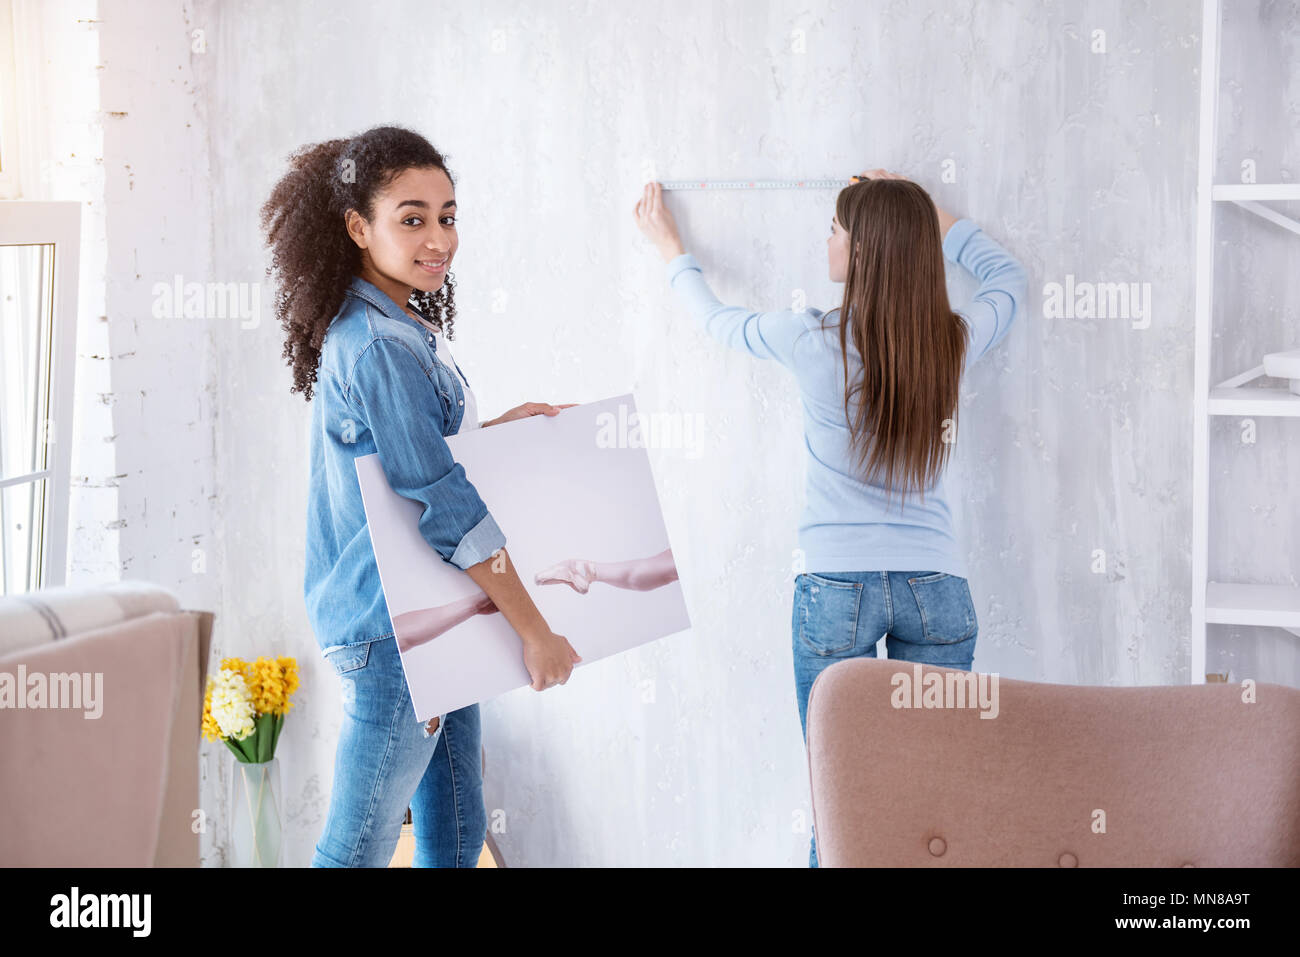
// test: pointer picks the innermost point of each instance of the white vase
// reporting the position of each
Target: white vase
(255, 814)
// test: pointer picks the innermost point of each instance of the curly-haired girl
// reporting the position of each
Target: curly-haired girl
(362, 233)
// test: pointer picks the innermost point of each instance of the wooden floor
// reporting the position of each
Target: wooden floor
(490, 856)
(405, 852)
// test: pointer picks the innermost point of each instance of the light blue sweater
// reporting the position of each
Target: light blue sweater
(846, 525)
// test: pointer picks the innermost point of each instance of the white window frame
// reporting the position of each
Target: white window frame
(58, 224)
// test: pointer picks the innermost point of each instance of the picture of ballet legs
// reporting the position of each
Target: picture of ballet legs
(639, 574)
(414, 628)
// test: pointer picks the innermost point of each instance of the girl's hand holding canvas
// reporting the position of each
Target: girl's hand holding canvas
(525, 410)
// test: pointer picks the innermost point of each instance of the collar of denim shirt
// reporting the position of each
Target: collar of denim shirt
(372, 294)
(364, 289)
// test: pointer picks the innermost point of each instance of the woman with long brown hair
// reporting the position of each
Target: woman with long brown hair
(878, 379)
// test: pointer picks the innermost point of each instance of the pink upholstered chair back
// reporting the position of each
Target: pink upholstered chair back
(1064, 775)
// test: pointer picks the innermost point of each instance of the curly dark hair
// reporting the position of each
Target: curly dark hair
(312, 256)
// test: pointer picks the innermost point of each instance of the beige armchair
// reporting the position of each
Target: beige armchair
(1063, 776)
(110, 778)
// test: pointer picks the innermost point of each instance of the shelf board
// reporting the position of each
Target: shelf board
(1230, 192)
(1254, 400)
(1228, 603)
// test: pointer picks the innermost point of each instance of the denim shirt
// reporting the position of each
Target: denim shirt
(380, 387)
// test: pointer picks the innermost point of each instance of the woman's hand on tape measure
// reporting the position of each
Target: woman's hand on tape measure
(878, 174)
(655, 220)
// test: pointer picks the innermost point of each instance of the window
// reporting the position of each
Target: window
(38, 321)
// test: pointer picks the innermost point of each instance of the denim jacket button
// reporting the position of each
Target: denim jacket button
(460, 402)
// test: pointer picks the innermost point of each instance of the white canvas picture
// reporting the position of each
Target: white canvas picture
(576, 499)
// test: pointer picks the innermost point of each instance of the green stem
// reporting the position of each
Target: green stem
(239, 755)
(243, 749)
(275, 737)
(254, 823)
(264, 736)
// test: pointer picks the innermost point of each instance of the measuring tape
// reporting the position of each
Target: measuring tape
(759, 183)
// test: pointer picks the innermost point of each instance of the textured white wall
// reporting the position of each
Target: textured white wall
(1076, 433)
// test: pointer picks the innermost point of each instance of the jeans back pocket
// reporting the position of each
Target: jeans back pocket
(947, 611)
(828, 614)
(345, 658)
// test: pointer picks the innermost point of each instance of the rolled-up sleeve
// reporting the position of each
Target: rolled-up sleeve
(398, 401)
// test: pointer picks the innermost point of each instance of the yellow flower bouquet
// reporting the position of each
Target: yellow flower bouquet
(245, 704)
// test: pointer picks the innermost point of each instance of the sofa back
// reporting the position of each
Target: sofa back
(100, 756)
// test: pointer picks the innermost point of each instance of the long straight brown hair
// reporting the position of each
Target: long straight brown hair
(902, 407)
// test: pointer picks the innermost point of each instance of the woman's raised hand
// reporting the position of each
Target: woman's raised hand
(527, 409)
(655, 220)
(946, 219)
(881, 174)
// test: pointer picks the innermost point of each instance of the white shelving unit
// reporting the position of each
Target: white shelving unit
(1227, 603)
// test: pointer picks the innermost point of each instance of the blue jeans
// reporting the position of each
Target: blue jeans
(923, 616)
(387, 760)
